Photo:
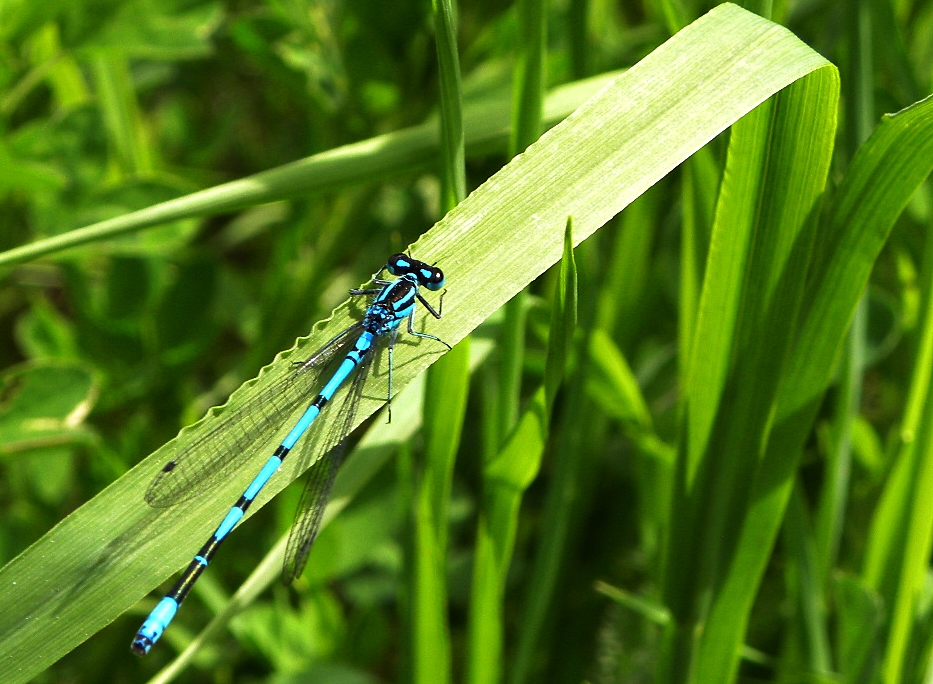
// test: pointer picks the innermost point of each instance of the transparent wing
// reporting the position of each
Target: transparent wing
(331, 445)
(220, 451)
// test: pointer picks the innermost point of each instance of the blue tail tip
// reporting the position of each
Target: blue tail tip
(141, 645)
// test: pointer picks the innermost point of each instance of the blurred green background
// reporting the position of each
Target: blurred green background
(107, 350)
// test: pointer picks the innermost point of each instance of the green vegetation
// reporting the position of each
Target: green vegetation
(697, 448)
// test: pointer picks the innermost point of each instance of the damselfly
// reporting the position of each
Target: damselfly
(216, 455)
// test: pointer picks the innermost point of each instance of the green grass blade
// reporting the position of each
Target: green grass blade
(113, 550)
(563, 320)
(834, 493)
(621, 297)
(902, 533)
(486, 129)
(445, 406)
(577, 16)
(884, 174)
(859, 123)
(859, 617)
(882, 177)
(451, 100)
(647, 609)
(887, 170)
(801, 548)
(447, 385)
(529, 84)
(446, 389)
(700, 190)
(759, 253)
(615, 385)
(505, 479)
(117, 100)
(527, 108)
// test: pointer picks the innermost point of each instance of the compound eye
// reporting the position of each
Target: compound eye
(433, 278)
(398, 264)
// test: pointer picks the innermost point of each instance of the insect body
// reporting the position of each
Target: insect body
(196, 468)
